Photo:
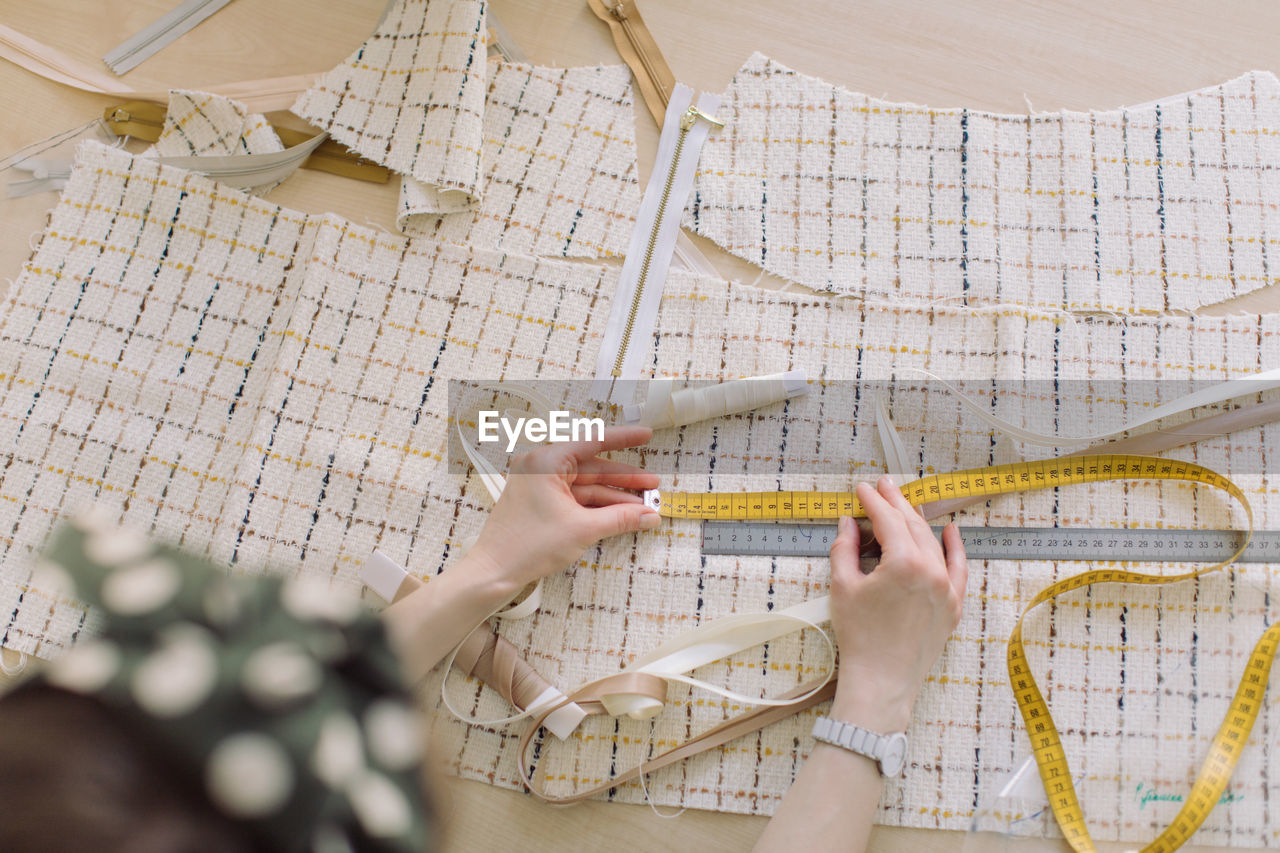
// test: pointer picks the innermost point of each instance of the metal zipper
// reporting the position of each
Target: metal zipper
(687, 120)
(653, 240)
(144, 120)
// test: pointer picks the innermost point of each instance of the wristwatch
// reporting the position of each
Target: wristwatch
(888, 751)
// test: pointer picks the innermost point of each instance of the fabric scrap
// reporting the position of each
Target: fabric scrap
(559, 157)
(1167, 206)
(201, 124)
(411, 98)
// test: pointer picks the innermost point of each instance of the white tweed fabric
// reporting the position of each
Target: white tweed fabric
(496, 155)
(269, 388)
(200, 124)
(559, 167)
(1166, 206)
(411, 98)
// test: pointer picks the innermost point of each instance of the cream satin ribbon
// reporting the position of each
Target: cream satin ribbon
(486, 655)
(713, 641)
(896, 458)
(666, 407)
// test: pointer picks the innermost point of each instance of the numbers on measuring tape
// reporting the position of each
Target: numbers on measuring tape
(1050, 757)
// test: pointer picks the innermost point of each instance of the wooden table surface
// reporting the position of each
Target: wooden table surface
(1002, 56)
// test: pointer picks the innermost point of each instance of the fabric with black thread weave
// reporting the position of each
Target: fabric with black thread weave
(200, 124)
(411, 98)
(268, 388)
(1167, 206)
(559, 167)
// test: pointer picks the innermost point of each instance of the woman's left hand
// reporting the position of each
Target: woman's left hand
(561, 499)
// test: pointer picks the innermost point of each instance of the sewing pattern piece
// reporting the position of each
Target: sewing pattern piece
(202, 124)
(411, 98)
(559, 158)
(263, 387)
(1166, 206)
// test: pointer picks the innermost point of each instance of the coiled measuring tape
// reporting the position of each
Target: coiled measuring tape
(1046, 744)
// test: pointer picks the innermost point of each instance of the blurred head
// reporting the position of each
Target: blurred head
(75, 777)
(211, 712)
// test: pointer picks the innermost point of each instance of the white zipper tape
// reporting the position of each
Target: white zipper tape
(161, 32)
(628, 336)
(691, 257)
(242, 171)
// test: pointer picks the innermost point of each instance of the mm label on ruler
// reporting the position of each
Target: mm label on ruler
(774, 539)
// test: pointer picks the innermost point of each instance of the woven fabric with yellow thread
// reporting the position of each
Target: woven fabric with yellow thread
(269, 388)
(1050, 756)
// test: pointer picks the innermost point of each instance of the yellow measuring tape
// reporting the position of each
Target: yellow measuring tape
(1051, 760)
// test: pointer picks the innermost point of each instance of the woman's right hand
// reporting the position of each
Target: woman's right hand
(892, 623)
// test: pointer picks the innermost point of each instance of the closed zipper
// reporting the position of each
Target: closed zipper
(638, 49)
(160, 33)
(625, 13)
(653, 241)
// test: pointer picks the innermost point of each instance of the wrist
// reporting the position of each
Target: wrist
(490, 577)
(881, 705)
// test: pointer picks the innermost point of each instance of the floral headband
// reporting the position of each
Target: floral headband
(282, 696)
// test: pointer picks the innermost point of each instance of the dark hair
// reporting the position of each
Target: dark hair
(74, 777)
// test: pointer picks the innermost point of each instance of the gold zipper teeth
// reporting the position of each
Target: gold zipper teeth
(686, 124)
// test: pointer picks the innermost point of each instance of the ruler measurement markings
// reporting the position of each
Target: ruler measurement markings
(780, 539)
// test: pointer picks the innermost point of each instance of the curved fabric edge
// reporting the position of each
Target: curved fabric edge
(1155, 208)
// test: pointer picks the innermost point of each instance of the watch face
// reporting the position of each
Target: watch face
(895, 755)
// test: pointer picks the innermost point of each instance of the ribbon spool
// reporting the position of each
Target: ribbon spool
(667, 407)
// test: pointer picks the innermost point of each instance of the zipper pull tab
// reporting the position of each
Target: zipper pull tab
(691, 115)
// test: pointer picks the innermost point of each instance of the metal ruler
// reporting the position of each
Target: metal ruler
(780, 539)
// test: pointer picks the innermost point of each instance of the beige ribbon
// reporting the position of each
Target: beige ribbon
(592, 698)
(265, 95)
(490, 657)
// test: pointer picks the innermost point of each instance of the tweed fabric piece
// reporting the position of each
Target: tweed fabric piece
(263, 387)
(411, 98)
(200, 124)
(559, 166)
(1166, 206)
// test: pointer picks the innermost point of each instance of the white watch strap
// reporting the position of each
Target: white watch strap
(858, 740)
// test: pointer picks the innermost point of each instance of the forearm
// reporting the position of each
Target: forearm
(425, 625)
(832, 804)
